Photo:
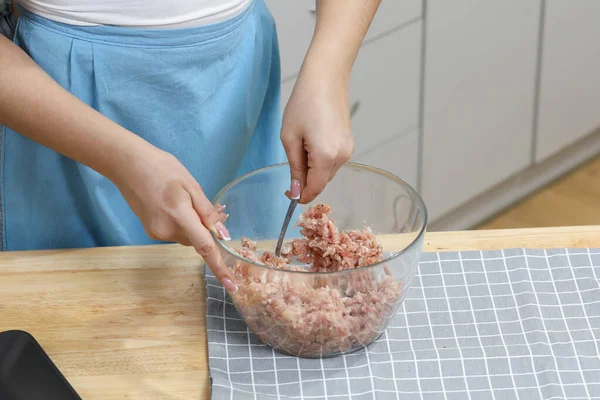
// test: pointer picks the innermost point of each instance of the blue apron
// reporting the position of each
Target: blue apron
(209, 95)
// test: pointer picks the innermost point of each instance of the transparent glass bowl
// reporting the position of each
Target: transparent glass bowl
(316, 315)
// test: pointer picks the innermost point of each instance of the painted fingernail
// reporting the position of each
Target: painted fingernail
(221, 208)
(229, 285)
(222, 231)
(295, 189)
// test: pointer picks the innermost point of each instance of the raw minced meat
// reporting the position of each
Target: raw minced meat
(327, 249)
(313, 315)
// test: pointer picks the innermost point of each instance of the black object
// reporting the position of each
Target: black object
(8, 19)
(27, 373)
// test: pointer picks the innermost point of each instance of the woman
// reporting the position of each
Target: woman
(123, 118)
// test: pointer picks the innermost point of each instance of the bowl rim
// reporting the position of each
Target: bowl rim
(363, 167)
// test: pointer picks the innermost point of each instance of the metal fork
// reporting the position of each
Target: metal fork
(284, 227)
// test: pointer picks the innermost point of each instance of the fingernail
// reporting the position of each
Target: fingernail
(221, 208)
(222, 231)
(229, 285)
(295, 189)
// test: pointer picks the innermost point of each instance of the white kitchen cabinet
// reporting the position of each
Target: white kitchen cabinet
(384, 88)
(569, 104)
(398, 156)
(286, 92)
(480, 64)
(295, 22)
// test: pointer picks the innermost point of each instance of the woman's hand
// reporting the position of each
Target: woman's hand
(316, 133)
(316, 130)
(173, 208)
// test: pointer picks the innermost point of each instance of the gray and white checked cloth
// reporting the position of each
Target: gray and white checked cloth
(512, 324)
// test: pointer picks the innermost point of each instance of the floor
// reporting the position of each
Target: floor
(571, 200)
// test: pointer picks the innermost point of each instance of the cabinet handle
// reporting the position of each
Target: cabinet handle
(354, 108)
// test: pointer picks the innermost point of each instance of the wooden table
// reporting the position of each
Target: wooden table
(129, 322)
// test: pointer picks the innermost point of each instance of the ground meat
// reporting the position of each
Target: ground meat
(313, 315)
(329, 250)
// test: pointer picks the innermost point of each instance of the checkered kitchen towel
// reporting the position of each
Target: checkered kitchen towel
(512, 324)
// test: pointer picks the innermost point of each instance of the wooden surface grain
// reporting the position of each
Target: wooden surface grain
(571, 200)
(129, 322)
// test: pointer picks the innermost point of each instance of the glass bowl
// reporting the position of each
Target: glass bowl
(323, 314)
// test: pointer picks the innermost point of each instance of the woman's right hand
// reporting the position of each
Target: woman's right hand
(172, 206)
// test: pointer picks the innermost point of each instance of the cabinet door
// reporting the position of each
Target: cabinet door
(570, 80)
(384, 88)
(480, 66)
(295, 22)
(398, 156)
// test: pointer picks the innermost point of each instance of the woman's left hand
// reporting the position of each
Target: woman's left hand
(316, 133)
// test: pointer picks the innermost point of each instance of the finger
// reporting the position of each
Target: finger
(184, 241)
(210, 216)
(223, 217)
(341, 160)
(205, 246)
(316, 182)
(222, 213)
(343, 156)
(297, 158)
(318, 175)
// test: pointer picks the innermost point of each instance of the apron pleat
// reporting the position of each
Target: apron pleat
(208, 95)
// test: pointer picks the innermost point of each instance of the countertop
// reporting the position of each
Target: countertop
(129, 322)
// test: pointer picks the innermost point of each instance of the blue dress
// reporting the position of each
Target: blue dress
(209, 95)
